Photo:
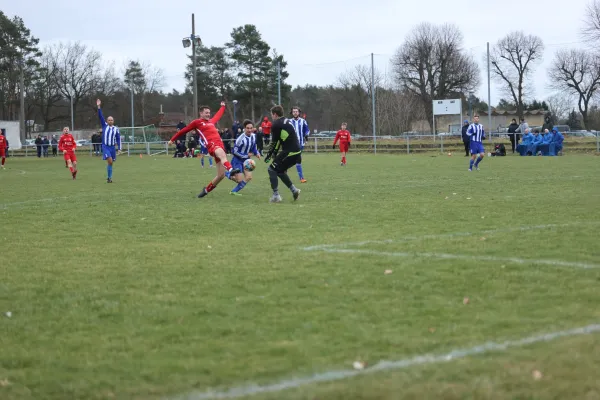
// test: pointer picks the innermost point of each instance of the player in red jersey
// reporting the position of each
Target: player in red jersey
(67, 145)
(344, 137)
(3, 148)
(210, 138)
(266, 128)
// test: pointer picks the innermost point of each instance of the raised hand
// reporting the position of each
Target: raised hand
(98, 103)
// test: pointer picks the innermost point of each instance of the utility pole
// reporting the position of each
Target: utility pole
(195, 73)
(23, 133)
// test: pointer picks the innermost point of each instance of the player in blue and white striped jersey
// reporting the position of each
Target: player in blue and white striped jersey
(301, 127)
(477, 135)
(245, 146)
(111, 141)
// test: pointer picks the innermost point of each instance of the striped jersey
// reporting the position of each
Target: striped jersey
(475, 131)
(301, 127)
(243, 145)
(110, 134)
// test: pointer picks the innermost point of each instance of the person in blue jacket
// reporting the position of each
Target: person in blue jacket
(558, 141)
(525, 142)
(547, 139)
(537, 140)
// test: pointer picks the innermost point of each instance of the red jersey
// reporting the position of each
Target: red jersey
(67, 142)
(266, 127)
(206, 127)
(343, 136)
(3, 142)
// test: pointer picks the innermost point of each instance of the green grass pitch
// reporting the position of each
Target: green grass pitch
(139, 290)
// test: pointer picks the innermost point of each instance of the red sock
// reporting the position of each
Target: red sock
(3, 159)
(71, 169)
(210, 187)
(344, 159)
(227, 165)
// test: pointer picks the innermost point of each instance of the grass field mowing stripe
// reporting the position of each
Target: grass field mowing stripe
(445, 256)
(425, 359)
(447, 235)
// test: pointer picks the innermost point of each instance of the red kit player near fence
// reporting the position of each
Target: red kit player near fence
(344, 137)
(209, 136)
(3, 146)
(67, 145)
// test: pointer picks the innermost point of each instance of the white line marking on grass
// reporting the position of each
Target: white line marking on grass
(447, 235)
(253, 389)
(557, 263)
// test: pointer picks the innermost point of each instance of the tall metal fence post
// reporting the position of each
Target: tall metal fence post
(597, 142)
(128, 149)
(407, 144)
(148, 148)
(316, 151)
(167, 148)
(442, 143)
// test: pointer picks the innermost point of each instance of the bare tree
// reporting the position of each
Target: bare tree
(78, 71)
(431, 64)
(560, 105)
(356, 97)
(513, 59)
(577, 72)
(45, 89)
(591, 24)
(143, 79)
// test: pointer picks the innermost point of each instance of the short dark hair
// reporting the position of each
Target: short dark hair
(202, 108)
(277, 110)
(476, 115)
(295, 108)
(247, 122)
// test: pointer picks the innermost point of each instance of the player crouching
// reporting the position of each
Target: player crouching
(245, 146)
(67, 145)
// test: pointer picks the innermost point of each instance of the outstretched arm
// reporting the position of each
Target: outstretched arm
(219, 114)
(102, 121)
(183, 131)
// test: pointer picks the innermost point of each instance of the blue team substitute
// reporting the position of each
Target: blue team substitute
(477, 135)
(302, 131)
(111, 141)
(244, 145)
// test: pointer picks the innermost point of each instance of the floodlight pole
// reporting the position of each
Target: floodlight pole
(194, 72)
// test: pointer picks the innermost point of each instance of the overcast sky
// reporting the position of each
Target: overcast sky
(320, 39)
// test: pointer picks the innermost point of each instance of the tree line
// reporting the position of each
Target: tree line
(431, 63)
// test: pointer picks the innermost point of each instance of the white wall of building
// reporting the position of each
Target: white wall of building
(12, 133)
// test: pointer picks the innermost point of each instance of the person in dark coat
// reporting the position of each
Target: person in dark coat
(38, 145)
(512, 135)
(466, 138)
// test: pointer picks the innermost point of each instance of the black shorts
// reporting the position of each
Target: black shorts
(284, 161)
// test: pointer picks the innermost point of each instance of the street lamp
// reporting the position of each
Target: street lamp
(234, 107)
(193, 41)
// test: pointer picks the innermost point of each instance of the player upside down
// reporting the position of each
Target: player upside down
(67, 145)
(344, 137)
(210, 138)
(284, 138)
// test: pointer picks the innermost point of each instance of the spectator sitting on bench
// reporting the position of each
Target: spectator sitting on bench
(557, 142)
(525, 142)
(180, 150)
(544, 147)
(537, 140)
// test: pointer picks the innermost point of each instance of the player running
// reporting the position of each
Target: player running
(67, 145)
(245, 145)
(3, 149)
(477, 135)
(301, 127)
(344, 137)
(111, 141)
(209, 136)
(282, 138)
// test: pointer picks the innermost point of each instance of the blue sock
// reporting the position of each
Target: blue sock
(239, 186)
(210, 161)
(299, 168)
(471, 163)
(202, 161)
(478, 160)
(109, 171)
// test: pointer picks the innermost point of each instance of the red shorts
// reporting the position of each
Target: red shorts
(2, 152)
(70, 155)
(213, 146)
(343, 147)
